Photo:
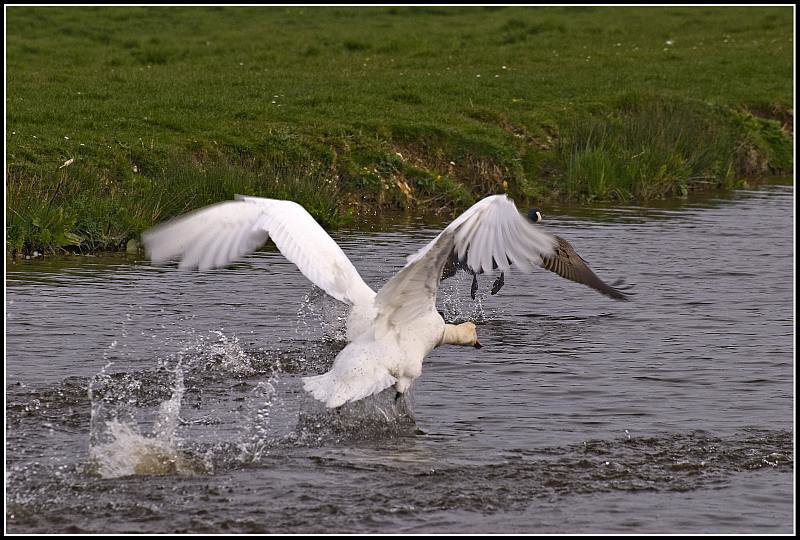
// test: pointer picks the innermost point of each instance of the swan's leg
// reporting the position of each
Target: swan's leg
(474, 285)
(498, 283)
(401, 386)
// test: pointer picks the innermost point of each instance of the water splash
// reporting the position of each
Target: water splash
(117, 448)
(228, 354)
(320, 315)
(122, 409)
(169, 411)
(380, 416)
(130, 453)
(457, 305)
(258, 436)
(136, 426)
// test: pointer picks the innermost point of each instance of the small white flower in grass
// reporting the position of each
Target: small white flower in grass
(504, 67)
(669, 42)
(65, 137)
(67, 163)
(453, 163)
(478, 75)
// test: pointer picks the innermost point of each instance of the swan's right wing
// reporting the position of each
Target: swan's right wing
(490, 234)
(219, 234)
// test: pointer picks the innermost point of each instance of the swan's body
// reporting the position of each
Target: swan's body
(370, 363)
(389, 332)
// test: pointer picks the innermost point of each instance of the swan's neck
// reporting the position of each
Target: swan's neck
(458, 334)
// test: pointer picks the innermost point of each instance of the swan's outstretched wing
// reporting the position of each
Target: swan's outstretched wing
(219, 234)
(490, 234)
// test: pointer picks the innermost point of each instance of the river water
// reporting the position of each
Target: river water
(147, 399)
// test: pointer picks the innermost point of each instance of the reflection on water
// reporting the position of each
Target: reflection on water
(149, 399)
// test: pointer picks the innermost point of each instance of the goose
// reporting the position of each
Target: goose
(389, 332)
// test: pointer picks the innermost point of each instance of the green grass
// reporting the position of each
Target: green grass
(349, 110)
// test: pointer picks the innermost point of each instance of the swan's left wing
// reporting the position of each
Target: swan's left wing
(491, 234)
(219, 234)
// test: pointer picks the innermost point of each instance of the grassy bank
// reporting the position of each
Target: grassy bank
(349, 111)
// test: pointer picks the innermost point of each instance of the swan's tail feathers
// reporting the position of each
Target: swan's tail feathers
(340, 386)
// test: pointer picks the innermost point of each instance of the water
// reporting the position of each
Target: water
(144, 399)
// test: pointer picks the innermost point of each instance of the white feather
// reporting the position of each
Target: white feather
(222, 233)
(490, 229)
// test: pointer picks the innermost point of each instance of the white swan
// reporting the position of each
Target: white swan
(390, 332)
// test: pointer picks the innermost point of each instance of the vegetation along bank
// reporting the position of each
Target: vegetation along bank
(121, 117)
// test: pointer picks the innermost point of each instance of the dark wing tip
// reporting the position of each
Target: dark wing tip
(619, 290)
(614, 291)
(568, 264)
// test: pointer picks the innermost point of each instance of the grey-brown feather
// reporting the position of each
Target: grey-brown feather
(565, 262)
(568, 264)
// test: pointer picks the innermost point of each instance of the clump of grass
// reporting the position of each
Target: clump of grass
(80, 209)
(651, 147)
(437, 190)
(763, 144)
(516, 30)
(355, 46)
